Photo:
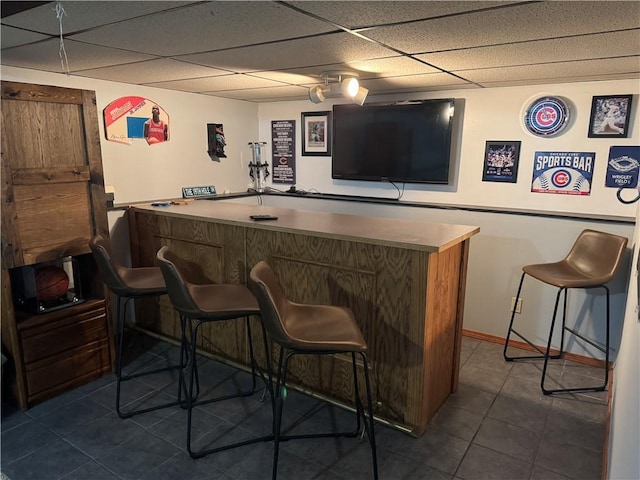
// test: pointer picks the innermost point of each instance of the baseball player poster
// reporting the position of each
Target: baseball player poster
(622, 167)
(568, 173)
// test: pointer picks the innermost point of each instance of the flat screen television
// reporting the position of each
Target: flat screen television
(395, 142)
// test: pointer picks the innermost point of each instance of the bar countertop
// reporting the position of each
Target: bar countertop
(413, 235)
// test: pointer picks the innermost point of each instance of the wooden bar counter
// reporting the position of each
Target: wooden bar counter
(404, 281)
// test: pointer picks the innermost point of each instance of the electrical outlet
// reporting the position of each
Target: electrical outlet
(518, 307)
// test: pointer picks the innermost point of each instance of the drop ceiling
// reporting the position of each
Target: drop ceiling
(264, 51)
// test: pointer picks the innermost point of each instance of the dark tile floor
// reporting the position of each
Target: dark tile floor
(497, 426)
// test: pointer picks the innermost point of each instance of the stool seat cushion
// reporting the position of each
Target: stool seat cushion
(593, 261)
(122, 280)
(563, 275)
(143, 280)
(323, 327)
(218, 302)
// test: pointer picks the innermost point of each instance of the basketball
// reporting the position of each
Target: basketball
(51, 283)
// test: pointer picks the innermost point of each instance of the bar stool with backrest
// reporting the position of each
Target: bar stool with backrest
(200, 304)
(302, 329)
(127, 284)
(591, 263)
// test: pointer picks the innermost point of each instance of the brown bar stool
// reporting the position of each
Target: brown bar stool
(127, 284)
(591, 263)
(199, 304)
(302, 329)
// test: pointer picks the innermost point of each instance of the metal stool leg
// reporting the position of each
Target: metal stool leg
(193, 332)
(120, 332)
(192, 402)
(370, 429)
(543, 354)
(359, 409)
(553, 323)
(280, 397)
(121, 315)
(280, 389)
(605, 350)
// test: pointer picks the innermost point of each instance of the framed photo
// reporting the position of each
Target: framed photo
(316, 134)
(501, 161)
(610, 116)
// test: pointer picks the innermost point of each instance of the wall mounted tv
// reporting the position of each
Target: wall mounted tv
(395, 142)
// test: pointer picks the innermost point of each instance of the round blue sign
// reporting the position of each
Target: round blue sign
(547, 116)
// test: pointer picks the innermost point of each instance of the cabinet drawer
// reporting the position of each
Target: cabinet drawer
(64, 334)
(61, 370)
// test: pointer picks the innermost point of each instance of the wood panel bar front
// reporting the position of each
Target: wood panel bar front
(404, 281)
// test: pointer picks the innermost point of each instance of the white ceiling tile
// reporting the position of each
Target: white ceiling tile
(528, 21)
(578, 78)
(389, 90)
(266, 94)
(157, 70)
(206, 27)
(411, 81)
(553, 71)
(216, 84)
(393, 66)
(355, 14)
(46, 56)
(204, 43)
(542, 51)
(286, 77)
(12, 37)
(81, 15)
(322, 50)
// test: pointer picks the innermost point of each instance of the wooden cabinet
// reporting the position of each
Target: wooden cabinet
(53, 203)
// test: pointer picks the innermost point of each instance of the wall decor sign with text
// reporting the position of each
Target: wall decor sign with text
(132, 117)
(623, 166)
(547, 116)
(501, 161)
(194, 192)
(283, 134)
(568, 173)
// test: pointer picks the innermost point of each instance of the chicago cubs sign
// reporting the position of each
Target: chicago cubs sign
(563, 172)
(547, 116)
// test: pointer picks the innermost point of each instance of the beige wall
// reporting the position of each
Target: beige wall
(140, 172)
(488, 114)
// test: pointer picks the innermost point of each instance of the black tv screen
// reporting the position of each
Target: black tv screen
(401, 142)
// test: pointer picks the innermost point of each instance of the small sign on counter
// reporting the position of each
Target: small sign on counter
(192, 192)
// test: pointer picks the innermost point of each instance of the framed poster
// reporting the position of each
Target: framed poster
(501, 161)
(316, 134)
(610, 116)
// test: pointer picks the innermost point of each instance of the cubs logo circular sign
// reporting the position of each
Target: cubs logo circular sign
(547, 116)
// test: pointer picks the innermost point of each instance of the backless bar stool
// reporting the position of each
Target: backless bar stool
(127, 284)
(591, 263)
(199, 304)
(302, 329)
